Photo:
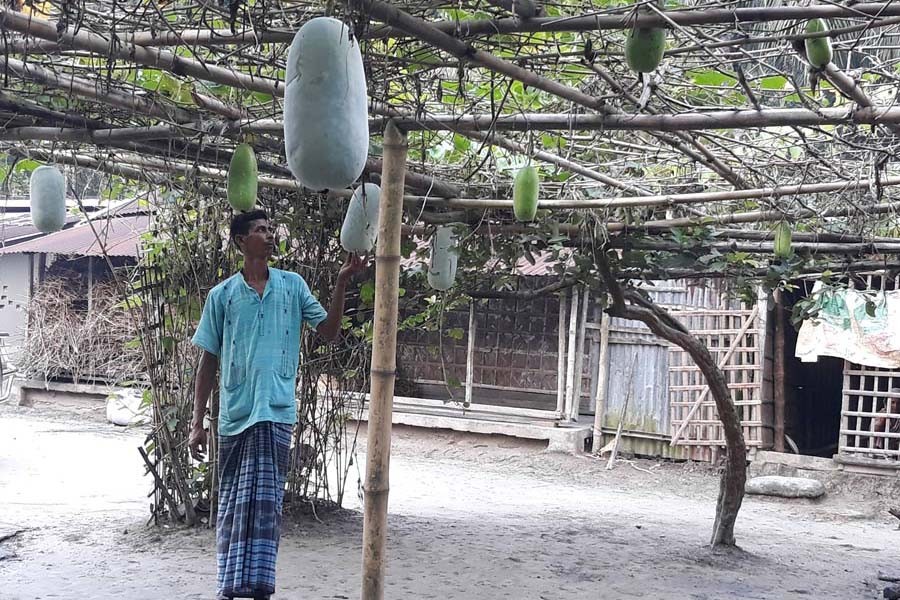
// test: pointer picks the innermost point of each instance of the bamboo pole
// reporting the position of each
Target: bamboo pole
(572, 353)
(436, 38)
(561, 358)
(779, 371)
(575, 407)
(691, 17)
(587, 22)
(114, 46)
(470, 354)
(84, 88)
(739, 118)
(384, 365)
(602, 383)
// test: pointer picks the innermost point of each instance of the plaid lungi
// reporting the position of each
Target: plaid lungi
(252, 468)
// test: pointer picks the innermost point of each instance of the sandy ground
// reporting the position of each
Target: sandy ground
(470, 518)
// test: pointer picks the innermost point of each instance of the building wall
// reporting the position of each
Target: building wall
(15, 291)
(515, 357)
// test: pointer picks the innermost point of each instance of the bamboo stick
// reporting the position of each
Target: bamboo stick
(561, 358)
(575, 408)
(114, 46)
(84, 88)
(602, 383)
(436, 38)
(384, 365)
(740, 118)
(690, 17)
(470, 354)
(587, 22)
(572, 353)
(780, 371)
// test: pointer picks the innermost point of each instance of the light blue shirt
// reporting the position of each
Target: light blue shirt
(257, 341)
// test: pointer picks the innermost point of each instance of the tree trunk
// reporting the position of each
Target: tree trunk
(630, 304)
(731, 486)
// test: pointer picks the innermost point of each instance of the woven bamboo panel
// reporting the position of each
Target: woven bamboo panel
(870, 422)
(870, 413)
(718, 330)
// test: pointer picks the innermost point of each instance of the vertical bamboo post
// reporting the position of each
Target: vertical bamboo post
(572, 352)
(383, 370)
(561, 359)
(470, 355)
(602, 382)
(575, 408)
(780, 371)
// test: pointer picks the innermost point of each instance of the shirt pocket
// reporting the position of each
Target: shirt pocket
(235, 372)
(283, 391)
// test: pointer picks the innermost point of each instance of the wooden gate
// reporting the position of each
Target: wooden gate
(870, 414)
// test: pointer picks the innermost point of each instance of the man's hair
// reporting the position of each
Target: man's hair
(240, 224)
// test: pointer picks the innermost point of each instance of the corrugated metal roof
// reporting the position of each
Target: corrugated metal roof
(120, 236)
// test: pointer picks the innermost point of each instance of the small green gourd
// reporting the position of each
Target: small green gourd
(818, 50)
(644, 48)
(782, 245)
(525, 193)
(243, 179)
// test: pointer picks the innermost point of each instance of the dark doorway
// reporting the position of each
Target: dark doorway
(813, 395)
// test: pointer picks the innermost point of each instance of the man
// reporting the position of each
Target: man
(250, 330)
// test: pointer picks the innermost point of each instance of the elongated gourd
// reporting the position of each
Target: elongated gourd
(360, 228)
(644, 48)
(782, 245)
(818, 50)
(326, 127)
(525, 193)
(48, 199)
(444, 256)
(243, 178)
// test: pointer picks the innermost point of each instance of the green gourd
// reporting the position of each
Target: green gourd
(47, 192)
(818, 50)
(525, 193)
(644, 48)
(782, 246)
(243, 179)
(326, 107)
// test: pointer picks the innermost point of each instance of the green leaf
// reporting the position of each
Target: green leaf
(711, 78)
(456, 333)
(775, 82)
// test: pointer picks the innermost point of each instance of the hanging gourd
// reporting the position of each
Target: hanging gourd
(782, 245)
(444, 256)
(818, 50)
(525, 193)
(326, 126)
(644, 48)
(360, 228)
(48, 199)
(243, 178)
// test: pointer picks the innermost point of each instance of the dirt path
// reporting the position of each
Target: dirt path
(471, 518)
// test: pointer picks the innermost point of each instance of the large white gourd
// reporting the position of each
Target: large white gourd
(48, 199)
(444, 256)
(360, 226)
(326, 121)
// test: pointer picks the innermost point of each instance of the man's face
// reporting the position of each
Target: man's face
(259, 241)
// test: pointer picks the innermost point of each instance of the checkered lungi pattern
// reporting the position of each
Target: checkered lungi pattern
(252, 468)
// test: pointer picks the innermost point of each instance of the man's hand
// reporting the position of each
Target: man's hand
(353, 264)
(197, 441)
